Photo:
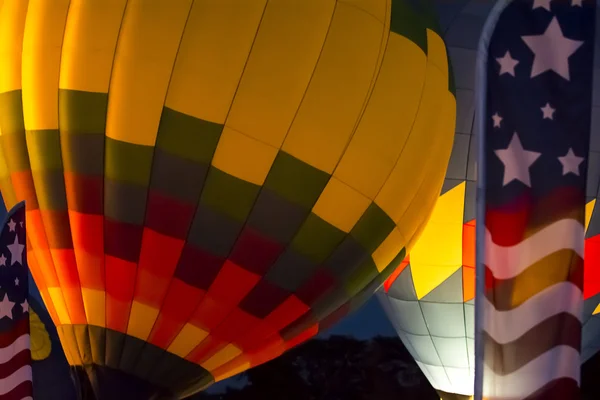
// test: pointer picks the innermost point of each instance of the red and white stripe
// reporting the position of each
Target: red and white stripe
(16, 381)
(508, 374)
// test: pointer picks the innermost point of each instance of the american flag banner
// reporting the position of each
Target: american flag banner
(534, 115)
(15, 355)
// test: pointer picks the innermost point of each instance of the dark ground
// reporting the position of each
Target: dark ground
(336, 368)
(344, 368)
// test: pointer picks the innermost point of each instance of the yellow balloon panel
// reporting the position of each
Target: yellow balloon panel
(280, 68)
(90, 39)
(385, 125)
(212, 57)
(330, 108)
(146, 49)
(12, 26)
(444, 233)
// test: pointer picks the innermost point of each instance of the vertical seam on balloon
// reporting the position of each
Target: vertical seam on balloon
(9, 188)
(112, 67)
(416, 193)
(363, 10)
(410, 132)
(415, 117)
(412, 281)
(164, 350)
(54, 264)
(471, 135)
(33, 182)
(429, 332)
(374, 79)
(3, 150)
(462, 243)
(424, 222)
(385, 39)
(199, 196)
(137, 266)
(210, 165)
(385, 301)
(60, 138)
(3, 153)
(28, 162)
(261, 187)
(200, 301)
(432, 342)
(399, 156)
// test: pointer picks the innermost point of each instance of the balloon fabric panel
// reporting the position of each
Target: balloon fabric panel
(204, 188)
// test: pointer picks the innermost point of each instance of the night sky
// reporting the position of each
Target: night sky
(365, 323)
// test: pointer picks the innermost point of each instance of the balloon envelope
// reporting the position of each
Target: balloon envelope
(430, 299)
(209, 183)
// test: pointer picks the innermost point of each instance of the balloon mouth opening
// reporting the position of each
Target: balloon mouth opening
(82, 383)
(453, 396)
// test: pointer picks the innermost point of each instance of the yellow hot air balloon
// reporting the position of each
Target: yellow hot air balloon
(209, 183)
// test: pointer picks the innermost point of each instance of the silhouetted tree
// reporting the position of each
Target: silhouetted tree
(343, 368)
(589, 379)
(337, 368)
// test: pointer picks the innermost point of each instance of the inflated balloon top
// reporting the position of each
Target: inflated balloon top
(209, 183)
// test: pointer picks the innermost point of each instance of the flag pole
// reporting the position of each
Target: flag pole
(480, 131)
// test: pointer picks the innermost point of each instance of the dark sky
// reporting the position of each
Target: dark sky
(367, 322)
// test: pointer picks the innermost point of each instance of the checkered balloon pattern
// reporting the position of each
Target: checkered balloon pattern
(210, 183)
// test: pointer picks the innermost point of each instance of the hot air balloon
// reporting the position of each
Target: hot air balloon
(209, 183)
(430, 298)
